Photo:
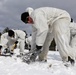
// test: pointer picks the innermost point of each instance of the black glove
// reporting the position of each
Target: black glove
(16, 42)
(15, 45)
(38, 47)
(0, 47)
(71, 19)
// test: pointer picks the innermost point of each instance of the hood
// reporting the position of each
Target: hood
(29, 10)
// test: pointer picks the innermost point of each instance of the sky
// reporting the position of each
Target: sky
(10, 11)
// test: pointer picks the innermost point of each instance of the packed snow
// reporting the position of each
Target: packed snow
(54, 66)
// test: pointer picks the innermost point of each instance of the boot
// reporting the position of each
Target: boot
(72, 61)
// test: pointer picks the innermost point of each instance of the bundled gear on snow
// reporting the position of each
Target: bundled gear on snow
(32, 55)
(4, 51)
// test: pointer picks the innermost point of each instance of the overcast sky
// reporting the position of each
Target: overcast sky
(10, 11)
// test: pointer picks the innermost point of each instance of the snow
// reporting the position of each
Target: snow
(53, 66)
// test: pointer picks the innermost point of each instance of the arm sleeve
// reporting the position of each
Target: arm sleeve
(40, 24)
(21, 35)
(33, 42)
(4, 39)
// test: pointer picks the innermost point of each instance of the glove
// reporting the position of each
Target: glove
(0, 49)
(38, 47)
(71, 20)
(16, 42)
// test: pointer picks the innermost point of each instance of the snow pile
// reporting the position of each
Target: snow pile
(54, 66)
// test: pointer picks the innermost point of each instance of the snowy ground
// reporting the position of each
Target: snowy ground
(54, 66)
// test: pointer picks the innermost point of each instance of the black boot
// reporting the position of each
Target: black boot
(72, 61)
